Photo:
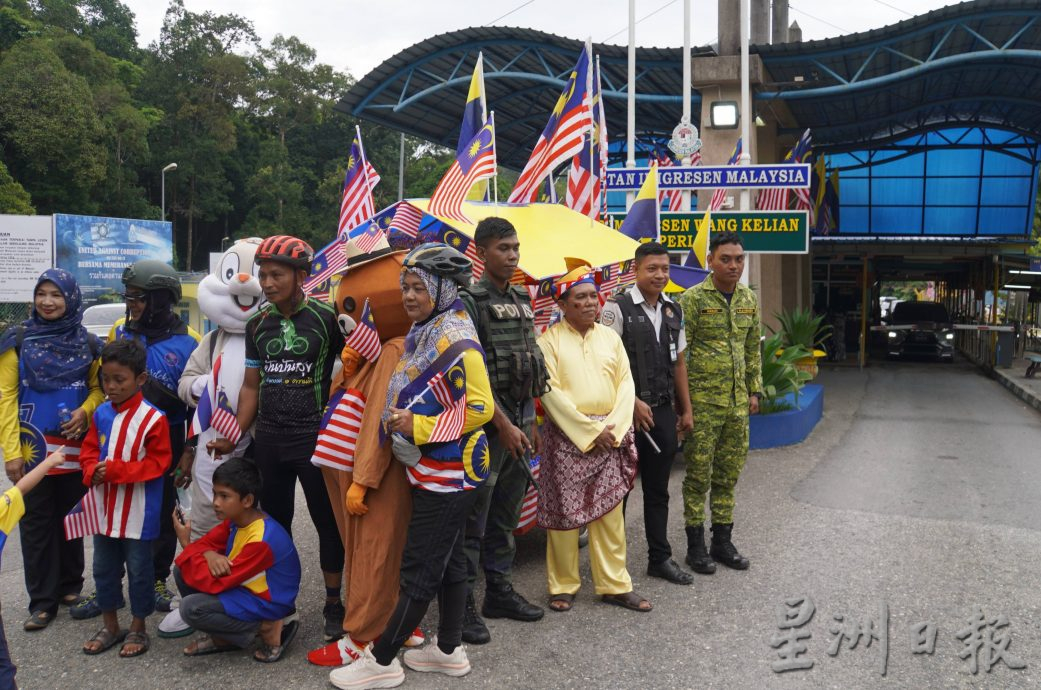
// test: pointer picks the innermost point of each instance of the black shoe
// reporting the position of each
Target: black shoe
(505, 602)
(724, 551)
(671, 571)
(474, 629)
(697, 557)
(333, 612)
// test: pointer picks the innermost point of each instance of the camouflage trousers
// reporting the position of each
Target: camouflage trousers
(488, 541)
(714, 453)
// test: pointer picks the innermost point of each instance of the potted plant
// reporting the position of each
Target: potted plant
(781, 374)
(800, 327)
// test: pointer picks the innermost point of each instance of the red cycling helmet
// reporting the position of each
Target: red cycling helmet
(286, 249)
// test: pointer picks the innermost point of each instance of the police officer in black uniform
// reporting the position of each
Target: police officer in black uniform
(651, 326)
(506, 327)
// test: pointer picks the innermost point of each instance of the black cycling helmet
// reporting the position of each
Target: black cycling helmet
(442, 261)
(286, 249)
(149, 275)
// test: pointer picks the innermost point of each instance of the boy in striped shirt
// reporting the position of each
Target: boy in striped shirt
(124, 456)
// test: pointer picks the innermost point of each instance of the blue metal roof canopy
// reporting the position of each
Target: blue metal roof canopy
(422, 89)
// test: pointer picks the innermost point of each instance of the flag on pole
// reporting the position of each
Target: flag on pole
(82, 520)
(564, 134)
(719, 196)
(366, 236)
(476, 162)
(214, 410)
(224, 419)
(589, 166)
(338, 434)
(364, 339)
(475, 114)
(356, 204)
(776, 199)
(642, 219)
(673, 196)
(449, 389)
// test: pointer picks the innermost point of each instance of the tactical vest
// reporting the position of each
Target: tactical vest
(505, 327)
(651, 359)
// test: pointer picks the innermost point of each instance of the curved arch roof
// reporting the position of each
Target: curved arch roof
(975, 63)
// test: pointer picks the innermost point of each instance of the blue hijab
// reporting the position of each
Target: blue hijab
(58, 353)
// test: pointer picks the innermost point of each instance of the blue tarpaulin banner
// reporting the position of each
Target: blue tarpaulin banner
(96, 249)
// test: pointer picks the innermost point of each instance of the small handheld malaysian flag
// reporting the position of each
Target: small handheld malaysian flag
(338, 437)
(364, 339)
(82, 521)
(449, 388)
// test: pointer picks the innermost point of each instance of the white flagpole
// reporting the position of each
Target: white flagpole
(495, 177)
(746, 105)
(630, 143)
(592, 128)
(689, 198)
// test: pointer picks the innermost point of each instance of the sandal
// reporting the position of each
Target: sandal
(107, 640)
(205, 646)
(269, 654)
(38, 620)
(629, 600)
(561, 602)
(139, 638)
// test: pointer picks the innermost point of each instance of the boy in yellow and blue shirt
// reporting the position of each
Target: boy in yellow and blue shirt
(12, 508)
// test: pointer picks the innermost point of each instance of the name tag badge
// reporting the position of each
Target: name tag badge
(672, 352)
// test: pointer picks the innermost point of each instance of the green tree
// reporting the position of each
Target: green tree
(49, 128)
(13, 197)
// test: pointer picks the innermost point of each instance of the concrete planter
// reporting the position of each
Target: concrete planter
(791, 426)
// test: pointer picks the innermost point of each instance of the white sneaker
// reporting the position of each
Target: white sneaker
(430, 659)
(173, 625)
(366, 672)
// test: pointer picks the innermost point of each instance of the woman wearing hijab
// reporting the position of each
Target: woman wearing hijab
(152, 291)
(49, 364)
(438, 400)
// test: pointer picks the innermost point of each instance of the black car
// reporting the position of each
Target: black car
(921, 329)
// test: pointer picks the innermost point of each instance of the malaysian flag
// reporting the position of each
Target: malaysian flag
(82, 521)
(341, 424)
(368, 236)
(589, 166)
(719, 196)
(406, 220)
(776, 198)
(529, 508)
(329, 261)
(214, 410)
(673, 196)
(476, 162)
(564, 133)
(356, 204)
(449, 389)
(364, 339)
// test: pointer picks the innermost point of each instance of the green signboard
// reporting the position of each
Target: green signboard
(762, 232)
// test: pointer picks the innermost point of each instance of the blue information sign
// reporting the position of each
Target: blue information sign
(785, 175)
(97, 249)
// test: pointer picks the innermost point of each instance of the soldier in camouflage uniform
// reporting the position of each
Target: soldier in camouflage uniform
(724, 366)
(506, 327)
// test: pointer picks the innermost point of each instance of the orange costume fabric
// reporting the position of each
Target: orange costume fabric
(373, 542)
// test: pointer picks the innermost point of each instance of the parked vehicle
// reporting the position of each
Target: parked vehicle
(100, 318)
(921, 329)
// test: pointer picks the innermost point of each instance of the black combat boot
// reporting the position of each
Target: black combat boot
(502, 601)
(474, 629)
(697, 557)
(723, 549)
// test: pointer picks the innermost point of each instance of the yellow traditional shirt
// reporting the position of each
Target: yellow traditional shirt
(588, 375)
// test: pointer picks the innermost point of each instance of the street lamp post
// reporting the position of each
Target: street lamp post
(169, 168)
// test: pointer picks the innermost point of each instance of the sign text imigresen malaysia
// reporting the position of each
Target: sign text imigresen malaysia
(712, 177)
(762, 232)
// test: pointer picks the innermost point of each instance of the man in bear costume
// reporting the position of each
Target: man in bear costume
(368, 488)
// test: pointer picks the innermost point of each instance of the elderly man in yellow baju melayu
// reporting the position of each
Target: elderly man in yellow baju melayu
(588, 454)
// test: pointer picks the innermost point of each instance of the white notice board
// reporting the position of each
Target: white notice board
(26, 251)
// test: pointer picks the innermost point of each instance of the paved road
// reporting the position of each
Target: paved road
(918, 491)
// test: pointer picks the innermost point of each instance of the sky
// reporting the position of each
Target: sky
(355, 36)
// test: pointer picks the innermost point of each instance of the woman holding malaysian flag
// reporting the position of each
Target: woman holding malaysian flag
(438, 400)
